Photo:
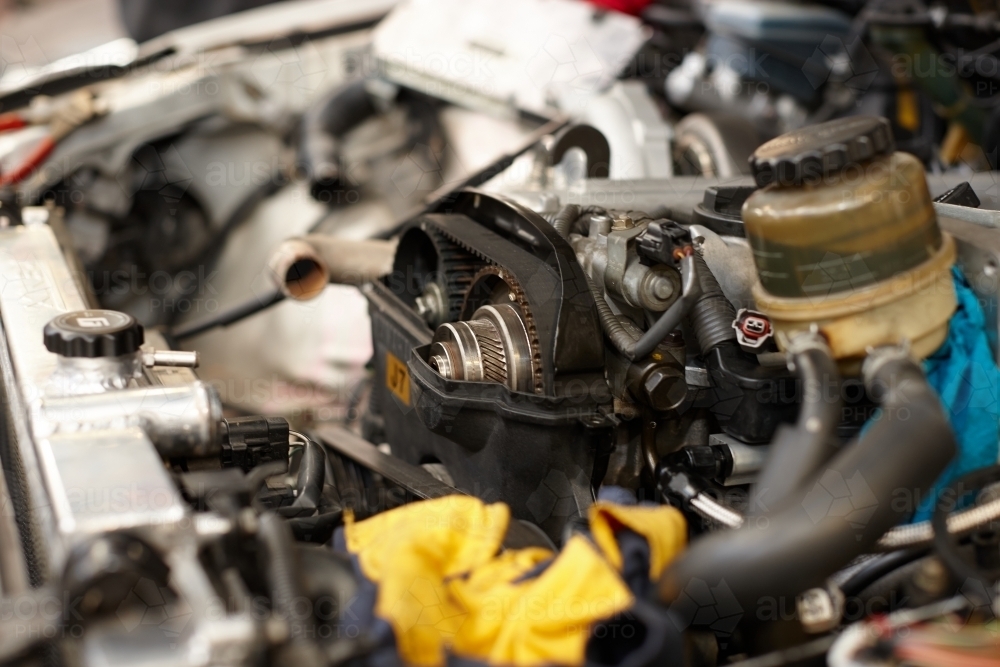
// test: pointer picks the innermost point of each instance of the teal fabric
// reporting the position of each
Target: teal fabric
(965, 375)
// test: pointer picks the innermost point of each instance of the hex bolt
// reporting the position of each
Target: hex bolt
(664, 390)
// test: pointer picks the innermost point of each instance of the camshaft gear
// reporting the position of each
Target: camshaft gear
(491, 347)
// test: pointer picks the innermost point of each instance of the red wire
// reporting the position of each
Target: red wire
(34, 159)
(11, 121)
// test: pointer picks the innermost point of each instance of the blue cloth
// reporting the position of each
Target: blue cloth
(965, 376)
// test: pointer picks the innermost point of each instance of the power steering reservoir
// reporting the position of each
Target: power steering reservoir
(844, 236)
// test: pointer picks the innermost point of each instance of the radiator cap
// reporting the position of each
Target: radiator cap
(93, 333)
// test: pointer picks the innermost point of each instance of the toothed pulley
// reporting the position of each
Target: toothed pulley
(491, 347)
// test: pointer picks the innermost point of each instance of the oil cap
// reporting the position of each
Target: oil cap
(93, 333)
(808, 154)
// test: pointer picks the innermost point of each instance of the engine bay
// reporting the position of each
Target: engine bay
(288, 378)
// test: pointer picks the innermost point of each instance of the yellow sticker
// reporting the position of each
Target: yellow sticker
(397, 377)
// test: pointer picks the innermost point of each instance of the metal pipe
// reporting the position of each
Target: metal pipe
(922, 533)
(174, 358)
(302, 267)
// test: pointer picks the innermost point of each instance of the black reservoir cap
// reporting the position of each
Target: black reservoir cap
(93, 333)
(808, 154)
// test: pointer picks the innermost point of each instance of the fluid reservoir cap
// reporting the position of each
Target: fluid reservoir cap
(93, 333)
(810, 153)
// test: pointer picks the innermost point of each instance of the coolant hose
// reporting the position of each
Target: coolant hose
(807, 537)
(670, 320)
(797, 452)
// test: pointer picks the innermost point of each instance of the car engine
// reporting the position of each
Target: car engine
(739, 409)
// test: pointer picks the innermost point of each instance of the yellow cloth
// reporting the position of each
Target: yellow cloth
(442, 585)
(410, 551)
(543, 620)
(663, 527)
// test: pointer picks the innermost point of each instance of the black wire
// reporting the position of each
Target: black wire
(226, 317)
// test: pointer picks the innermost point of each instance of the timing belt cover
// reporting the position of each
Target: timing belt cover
(511, 236)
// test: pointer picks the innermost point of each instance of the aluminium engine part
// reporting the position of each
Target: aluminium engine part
(95, 386)
(494, 285)
(53, 451)
(179, 421)
(725, 459)
(636, 131)
(610, 257)
(694, 85)
(170, 358)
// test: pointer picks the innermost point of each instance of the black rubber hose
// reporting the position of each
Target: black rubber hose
(877, 568)
(564, 219)
(804, 540)
(798, 451)
(884, 593)
(712, 317)
(312, 474)
(281, 570)
(668, 321)
(322, 127)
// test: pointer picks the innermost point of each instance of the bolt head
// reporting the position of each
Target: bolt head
(664, 390)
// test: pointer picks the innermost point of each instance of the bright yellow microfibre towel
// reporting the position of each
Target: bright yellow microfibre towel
(444, 586)
(663, 527)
